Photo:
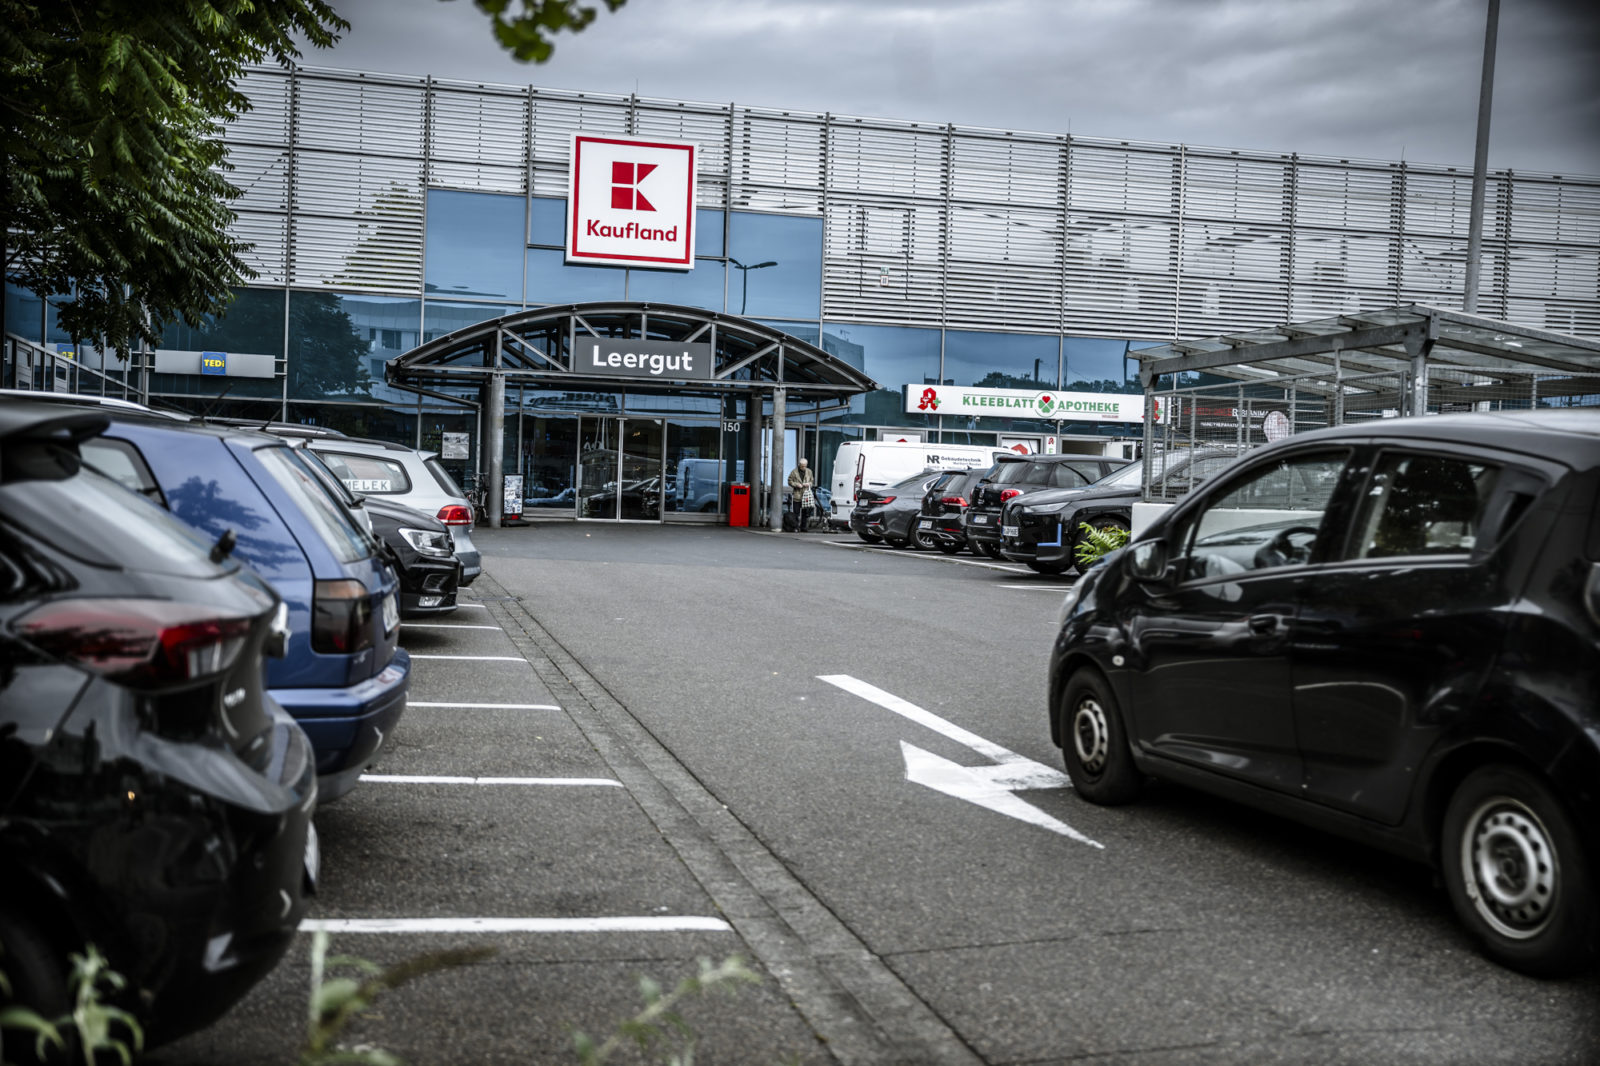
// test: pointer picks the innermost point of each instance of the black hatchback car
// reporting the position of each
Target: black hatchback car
(941, 523)
(1018, 475)
(1389, 631)
(154, 800)
(890, 516)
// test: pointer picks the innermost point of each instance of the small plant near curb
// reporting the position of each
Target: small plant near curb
(659, 1018)
(1097, 543)
(91, 1019)
(335, 1001)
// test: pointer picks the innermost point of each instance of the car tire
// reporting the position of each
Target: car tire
(1517, 873)
(1103, 522)
(1094, 742)
(37, 970)
(870, 538)
(1047, 568)
(924, 542)
(991, 550)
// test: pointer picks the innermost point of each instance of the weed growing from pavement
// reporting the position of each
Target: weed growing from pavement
(336, 1001)
(659, 1019)
(91, 1019)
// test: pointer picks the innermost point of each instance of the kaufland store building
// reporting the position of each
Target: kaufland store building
(432, 263)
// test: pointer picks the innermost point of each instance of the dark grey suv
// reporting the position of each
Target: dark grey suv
(1389, 631)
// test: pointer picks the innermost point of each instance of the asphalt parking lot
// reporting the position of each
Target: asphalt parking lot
(492, 819)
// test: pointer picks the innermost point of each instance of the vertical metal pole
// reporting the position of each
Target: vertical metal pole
(1238, 424)
(780, 398)
(1480, 161)
(494, 427)
(1338, 390)
(752, 455)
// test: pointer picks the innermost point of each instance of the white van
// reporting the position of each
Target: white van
(876, 464)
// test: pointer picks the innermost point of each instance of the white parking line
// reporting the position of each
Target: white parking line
(478, 606)
(427, 779)
(491, 706)
(640, 924)
(883, 550)
(1035, 588)
(475, 658)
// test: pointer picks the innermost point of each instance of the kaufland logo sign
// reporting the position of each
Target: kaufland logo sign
(631, 202)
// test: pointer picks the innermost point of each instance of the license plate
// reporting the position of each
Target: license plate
(979, 519)
(391, 613)
(926, 523)
(1008, 531)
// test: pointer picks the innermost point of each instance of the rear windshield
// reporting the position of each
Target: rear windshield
(370, 475)
(442, 476)
(331, 521)
(92, 518)
(1012, 473)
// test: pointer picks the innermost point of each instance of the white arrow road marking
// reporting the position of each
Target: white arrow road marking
(983, 785)
(987, 786)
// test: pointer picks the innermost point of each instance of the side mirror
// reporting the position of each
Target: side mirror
(1147, 560)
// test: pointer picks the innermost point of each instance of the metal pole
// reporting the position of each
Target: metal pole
(1480, 162)
(780, 398)
(494, 427)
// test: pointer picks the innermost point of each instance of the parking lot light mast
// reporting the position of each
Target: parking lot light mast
(1480, 164)
(744, 296)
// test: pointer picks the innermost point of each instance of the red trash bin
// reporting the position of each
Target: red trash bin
(738, 505)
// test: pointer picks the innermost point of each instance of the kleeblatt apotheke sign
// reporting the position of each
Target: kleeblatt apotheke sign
(660, 360)
(631, 202)
(1046, 404)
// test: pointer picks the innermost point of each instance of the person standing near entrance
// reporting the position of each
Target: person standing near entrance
(802, 493)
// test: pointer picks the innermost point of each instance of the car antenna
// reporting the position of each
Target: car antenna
(213, 405)
(224, 545)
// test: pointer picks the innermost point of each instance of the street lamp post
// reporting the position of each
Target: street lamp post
(744, 296)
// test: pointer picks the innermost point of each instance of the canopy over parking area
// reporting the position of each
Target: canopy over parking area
(631, 347)
(1407, 360)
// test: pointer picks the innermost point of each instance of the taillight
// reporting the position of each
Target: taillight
(882, 500)
(341, 617)
(141, 643)
(454, 514)
(954, 501)
(1006, 494)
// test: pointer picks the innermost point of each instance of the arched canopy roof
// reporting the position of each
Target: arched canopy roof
(536, 347)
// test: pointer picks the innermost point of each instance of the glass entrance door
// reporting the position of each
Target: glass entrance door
(619, 468)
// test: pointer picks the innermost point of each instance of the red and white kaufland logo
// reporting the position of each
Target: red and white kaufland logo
(631, 203)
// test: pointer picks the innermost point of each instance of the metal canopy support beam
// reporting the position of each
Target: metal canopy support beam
(494, 424)
(780, 414)
(729, 371)
(1410, 334)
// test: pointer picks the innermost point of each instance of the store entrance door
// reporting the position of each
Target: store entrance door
(620, 468)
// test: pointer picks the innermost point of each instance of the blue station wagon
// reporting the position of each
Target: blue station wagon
(343, 678)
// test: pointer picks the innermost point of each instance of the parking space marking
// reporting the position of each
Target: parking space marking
(1031, 588)
(475, 606)
(491, 706)
(639, 924)
(475, 658)
(430, 779)
(446, 625)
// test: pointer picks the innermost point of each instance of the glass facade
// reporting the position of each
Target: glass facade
(474, 247)
(775, 266)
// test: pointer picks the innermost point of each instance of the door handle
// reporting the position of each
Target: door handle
(1263, 623)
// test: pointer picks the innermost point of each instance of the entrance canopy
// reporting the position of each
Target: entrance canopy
(553, 347)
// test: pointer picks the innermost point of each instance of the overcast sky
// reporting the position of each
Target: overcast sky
(1374, 79)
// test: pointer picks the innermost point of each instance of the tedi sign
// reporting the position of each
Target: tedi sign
(631, 203)
(662, 360)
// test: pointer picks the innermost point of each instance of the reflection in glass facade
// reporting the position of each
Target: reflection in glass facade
(774, 266)
(474, 245)
(1000, 360)
(892, 356)
(700, 287)
(552, 281)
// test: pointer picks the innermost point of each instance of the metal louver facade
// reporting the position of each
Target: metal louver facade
(925, 224)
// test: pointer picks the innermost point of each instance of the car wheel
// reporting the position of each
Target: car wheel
(37, 971)
(870, 538)
(1517, 873)
(1047, 568)
(991, 550)
(950, 547)
(1103, 522)
(924, 542)
(1094, 742)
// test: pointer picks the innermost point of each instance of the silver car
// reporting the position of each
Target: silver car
(405, 475)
